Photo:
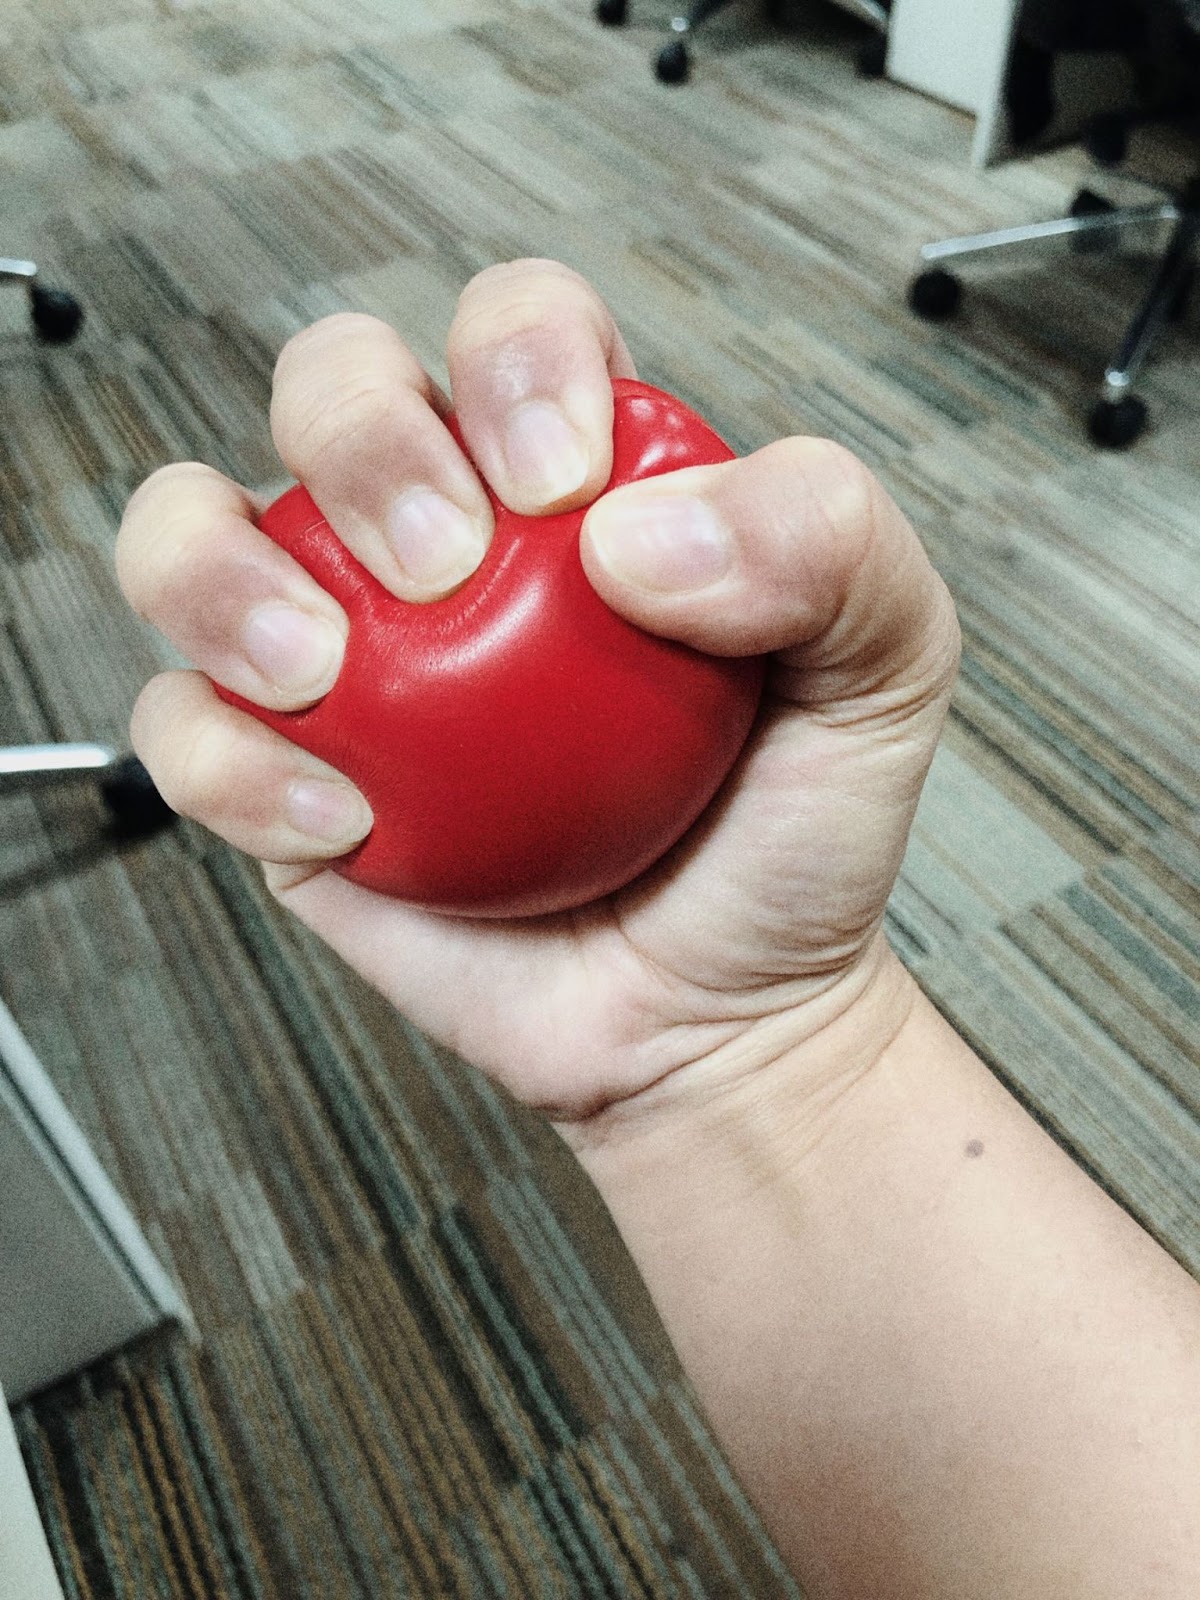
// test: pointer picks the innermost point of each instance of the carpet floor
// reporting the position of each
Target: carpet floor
(427, 1366)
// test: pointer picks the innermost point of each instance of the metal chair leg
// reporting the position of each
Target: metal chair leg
(12, 267)
(41, 766)
(1155, 310)
(127, 789)
(1095, 225)
(1118, 416)
(872, 11)
(673, 64)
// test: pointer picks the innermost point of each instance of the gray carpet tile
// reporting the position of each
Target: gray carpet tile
(427, 1365)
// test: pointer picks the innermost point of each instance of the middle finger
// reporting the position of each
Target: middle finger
(356, 418)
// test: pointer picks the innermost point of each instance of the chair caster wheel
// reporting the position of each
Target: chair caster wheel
(871, 59)
(56, 314)
(611, 12)
(134, 804)
(1117, 423)
(935, 295)
(671, 64)
(1087, 203)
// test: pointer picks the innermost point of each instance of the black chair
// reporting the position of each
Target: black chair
(134, 805)
(1169, 80)
(672, 64)
(56, 315)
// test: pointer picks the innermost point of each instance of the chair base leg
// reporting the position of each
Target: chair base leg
(1091, 225)
(1118, 416)
(672, 64)
(1157, 308)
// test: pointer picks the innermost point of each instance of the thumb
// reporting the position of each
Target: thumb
(796, 549)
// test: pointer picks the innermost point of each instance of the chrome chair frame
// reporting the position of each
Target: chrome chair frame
(1118, 416)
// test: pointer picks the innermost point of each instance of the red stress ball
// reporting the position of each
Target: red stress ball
(523, 748)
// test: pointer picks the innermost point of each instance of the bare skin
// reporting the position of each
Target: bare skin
(942, 1361)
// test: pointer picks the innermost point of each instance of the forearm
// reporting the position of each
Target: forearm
(941, 1360)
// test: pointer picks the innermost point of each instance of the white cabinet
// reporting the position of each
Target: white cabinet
(954, 50)
(26, 1569)
(77, 1277)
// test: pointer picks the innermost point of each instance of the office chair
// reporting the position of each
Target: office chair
(1118, 416)
(56, 315)
(673, 62)
(134, 804)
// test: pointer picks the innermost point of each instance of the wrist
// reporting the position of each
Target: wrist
(894, 1294)
(786, 1081)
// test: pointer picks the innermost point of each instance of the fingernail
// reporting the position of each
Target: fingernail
(333, 813)
(546, 459)
(669, 545)
(296, 651)
(437, 544)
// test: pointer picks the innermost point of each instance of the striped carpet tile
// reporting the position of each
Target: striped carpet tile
(427, 1365)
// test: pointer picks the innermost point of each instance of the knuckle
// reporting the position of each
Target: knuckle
(152, 726)
(169, 479)
(154, 570)
(161, 481)
(346, 373)
(337, 330)
(127, 558)
(483, 323)
(143, 720)
(508, 301)
(856, 493)
(349, 340)
(844, 486)
(840, 462)
(324, 420)
(196, 771)
(187, 745)
(522, 274)
(833, 462)
(163, 517)
(161, 488)
(947, 630)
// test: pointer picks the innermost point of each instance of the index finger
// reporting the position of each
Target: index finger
(532, 352)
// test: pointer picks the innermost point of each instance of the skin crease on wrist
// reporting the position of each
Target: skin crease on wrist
(840, 1033)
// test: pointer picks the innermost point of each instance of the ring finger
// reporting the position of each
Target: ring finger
(192, 563)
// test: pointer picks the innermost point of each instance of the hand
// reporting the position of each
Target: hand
(765, 923)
